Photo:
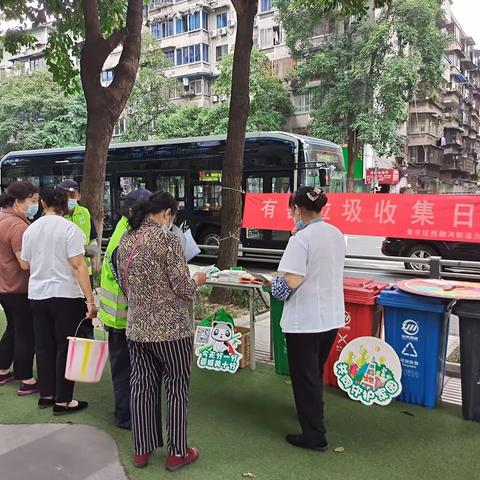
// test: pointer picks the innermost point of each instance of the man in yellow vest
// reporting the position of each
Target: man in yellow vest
(113, 314)
(81, 217)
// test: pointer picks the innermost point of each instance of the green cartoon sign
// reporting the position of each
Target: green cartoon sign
(369, 370)
(217, 344)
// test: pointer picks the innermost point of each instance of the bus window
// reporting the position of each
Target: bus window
(281, 185)
(255, 185)
(129, 184)
(207, 197)
(175, 185)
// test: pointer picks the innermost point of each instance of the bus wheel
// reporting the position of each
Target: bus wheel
(210, 236)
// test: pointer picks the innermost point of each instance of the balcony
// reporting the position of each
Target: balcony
(159, 4)
(426, 106)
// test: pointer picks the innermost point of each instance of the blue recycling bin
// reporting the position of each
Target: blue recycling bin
(416, 327)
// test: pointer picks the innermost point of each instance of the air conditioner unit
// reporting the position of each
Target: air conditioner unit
(222, 31)
(215, 98)
(231, 22)
(222, 98)
(213, 34)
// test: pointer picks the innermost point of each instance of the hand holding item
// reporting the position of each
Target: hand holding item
(91, 311)
(200, 278)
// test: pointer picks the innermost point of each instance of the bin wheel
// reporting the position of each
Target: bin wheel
(420, 250)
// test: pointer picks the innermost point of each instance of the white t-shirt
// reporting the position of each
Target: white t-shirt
(317, 252)
(47, 245)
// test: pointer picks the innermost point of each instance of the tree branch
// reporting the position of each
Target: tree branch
(115, 39)
(92, 21)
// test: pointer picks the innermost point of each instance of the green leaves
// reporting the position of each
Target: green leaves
(362, 77)
(35, 113)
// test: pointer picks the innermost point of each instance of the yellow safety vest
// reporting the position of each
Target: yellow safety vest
(113, 305)
(81, 218)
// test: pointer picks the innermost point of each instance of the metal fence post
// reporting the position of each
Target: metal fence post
(435, 267)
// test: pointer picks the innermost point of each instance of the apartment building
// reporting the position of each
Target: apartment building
(195, 35)
(443, 130)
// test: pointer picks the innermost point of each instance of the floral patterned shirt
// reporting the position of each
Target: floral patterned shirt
(157, 283)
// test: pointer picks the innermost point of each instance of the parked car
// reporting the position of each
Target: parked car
(403, 247)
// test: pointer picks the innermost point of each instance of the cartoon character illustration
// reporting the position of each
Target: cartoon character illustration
(221, 336)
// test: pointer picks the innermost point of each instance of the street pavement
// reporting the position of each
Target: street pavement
(58, 452)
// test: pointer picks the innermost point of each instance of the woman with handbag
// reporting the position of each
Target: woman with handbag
(158, 286)
(53, 250)
(19, 204)
(312, 289)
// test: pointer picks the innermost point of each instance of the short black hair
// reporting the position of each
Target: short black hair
(312, 199)
(55, 197)
(17, 191)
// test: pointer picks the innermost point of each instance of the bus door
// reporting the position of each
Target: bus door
(174, 183)
(128, 183)
(278, 182)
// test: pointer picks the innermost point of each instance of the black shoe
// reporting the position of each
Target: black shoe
(45, 402)
(125, 425)
(65, 409)
(299, 441)
(26, 389)
(6, 378)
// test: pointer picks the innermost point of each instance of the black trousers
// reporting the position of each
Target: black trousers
(55, 319)
(152, 363)
(120, 368)
(17, 344)
(307, 354)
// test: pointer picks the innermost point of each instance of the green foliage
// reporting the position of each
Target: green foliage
(362, 79)
(269, 100)
(149, 98)
(64, 44)
(35, 113)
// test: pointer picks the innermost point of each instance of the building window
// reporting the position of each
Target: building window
(301, 102)
(170, 56)
(162, 29)
(277, 35)
(192, 22)
(221, 51)
(120, 127)
(265, 38)
(200, 86)
(222, 20)
(265, 5)
(323, 28)
(107, 76)
(192, 54)
(36, 63)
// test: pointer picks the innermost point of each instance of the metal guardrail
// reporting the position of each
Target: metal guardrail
(438, 267)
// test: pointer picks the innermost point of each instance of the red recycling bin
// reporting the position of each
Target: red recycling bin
(363, 318)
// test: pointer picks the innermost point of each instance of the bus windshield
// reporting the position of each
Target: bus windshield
(327, 157)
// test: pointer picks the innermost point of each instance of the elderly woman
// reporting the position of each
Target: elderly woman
(314, 310)
(156, 280)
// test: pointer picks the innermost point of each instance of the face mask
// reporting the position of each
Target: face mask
(32, 210)
(72, 204)
(299, 224)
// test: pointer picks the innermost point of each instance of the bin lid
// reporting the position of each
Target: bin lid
(394, 297)
(470, 309)
(363, 291)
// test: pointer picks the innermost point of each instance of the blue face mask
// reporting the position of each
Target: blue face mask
(32, 210)
(299, 224)
(72, 204)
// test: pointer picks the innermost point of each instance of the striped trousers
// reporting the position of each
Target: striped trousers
(151, 364)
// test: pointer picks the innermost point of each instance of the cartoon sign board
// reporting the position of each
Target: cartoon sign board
(369, 370)
(217, 346)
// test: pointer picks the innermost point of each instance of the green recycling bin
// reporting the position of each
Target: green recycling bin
(279, 340)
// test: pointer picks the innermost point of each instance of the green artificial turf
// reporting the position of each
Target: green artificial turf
(239, 421)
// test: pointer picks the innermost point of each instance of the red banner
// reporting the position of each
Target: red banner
(429, 217)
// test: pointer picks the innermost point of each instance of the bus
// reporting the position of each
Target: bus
(191, 170)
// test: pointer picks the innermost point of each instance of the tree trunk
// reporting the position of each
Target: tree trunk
(352, 160)
(105, 104)
(237, 123)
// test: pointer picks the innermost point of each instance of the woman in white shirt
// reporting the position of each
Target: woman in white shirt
(312, 265)
(53, 250)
